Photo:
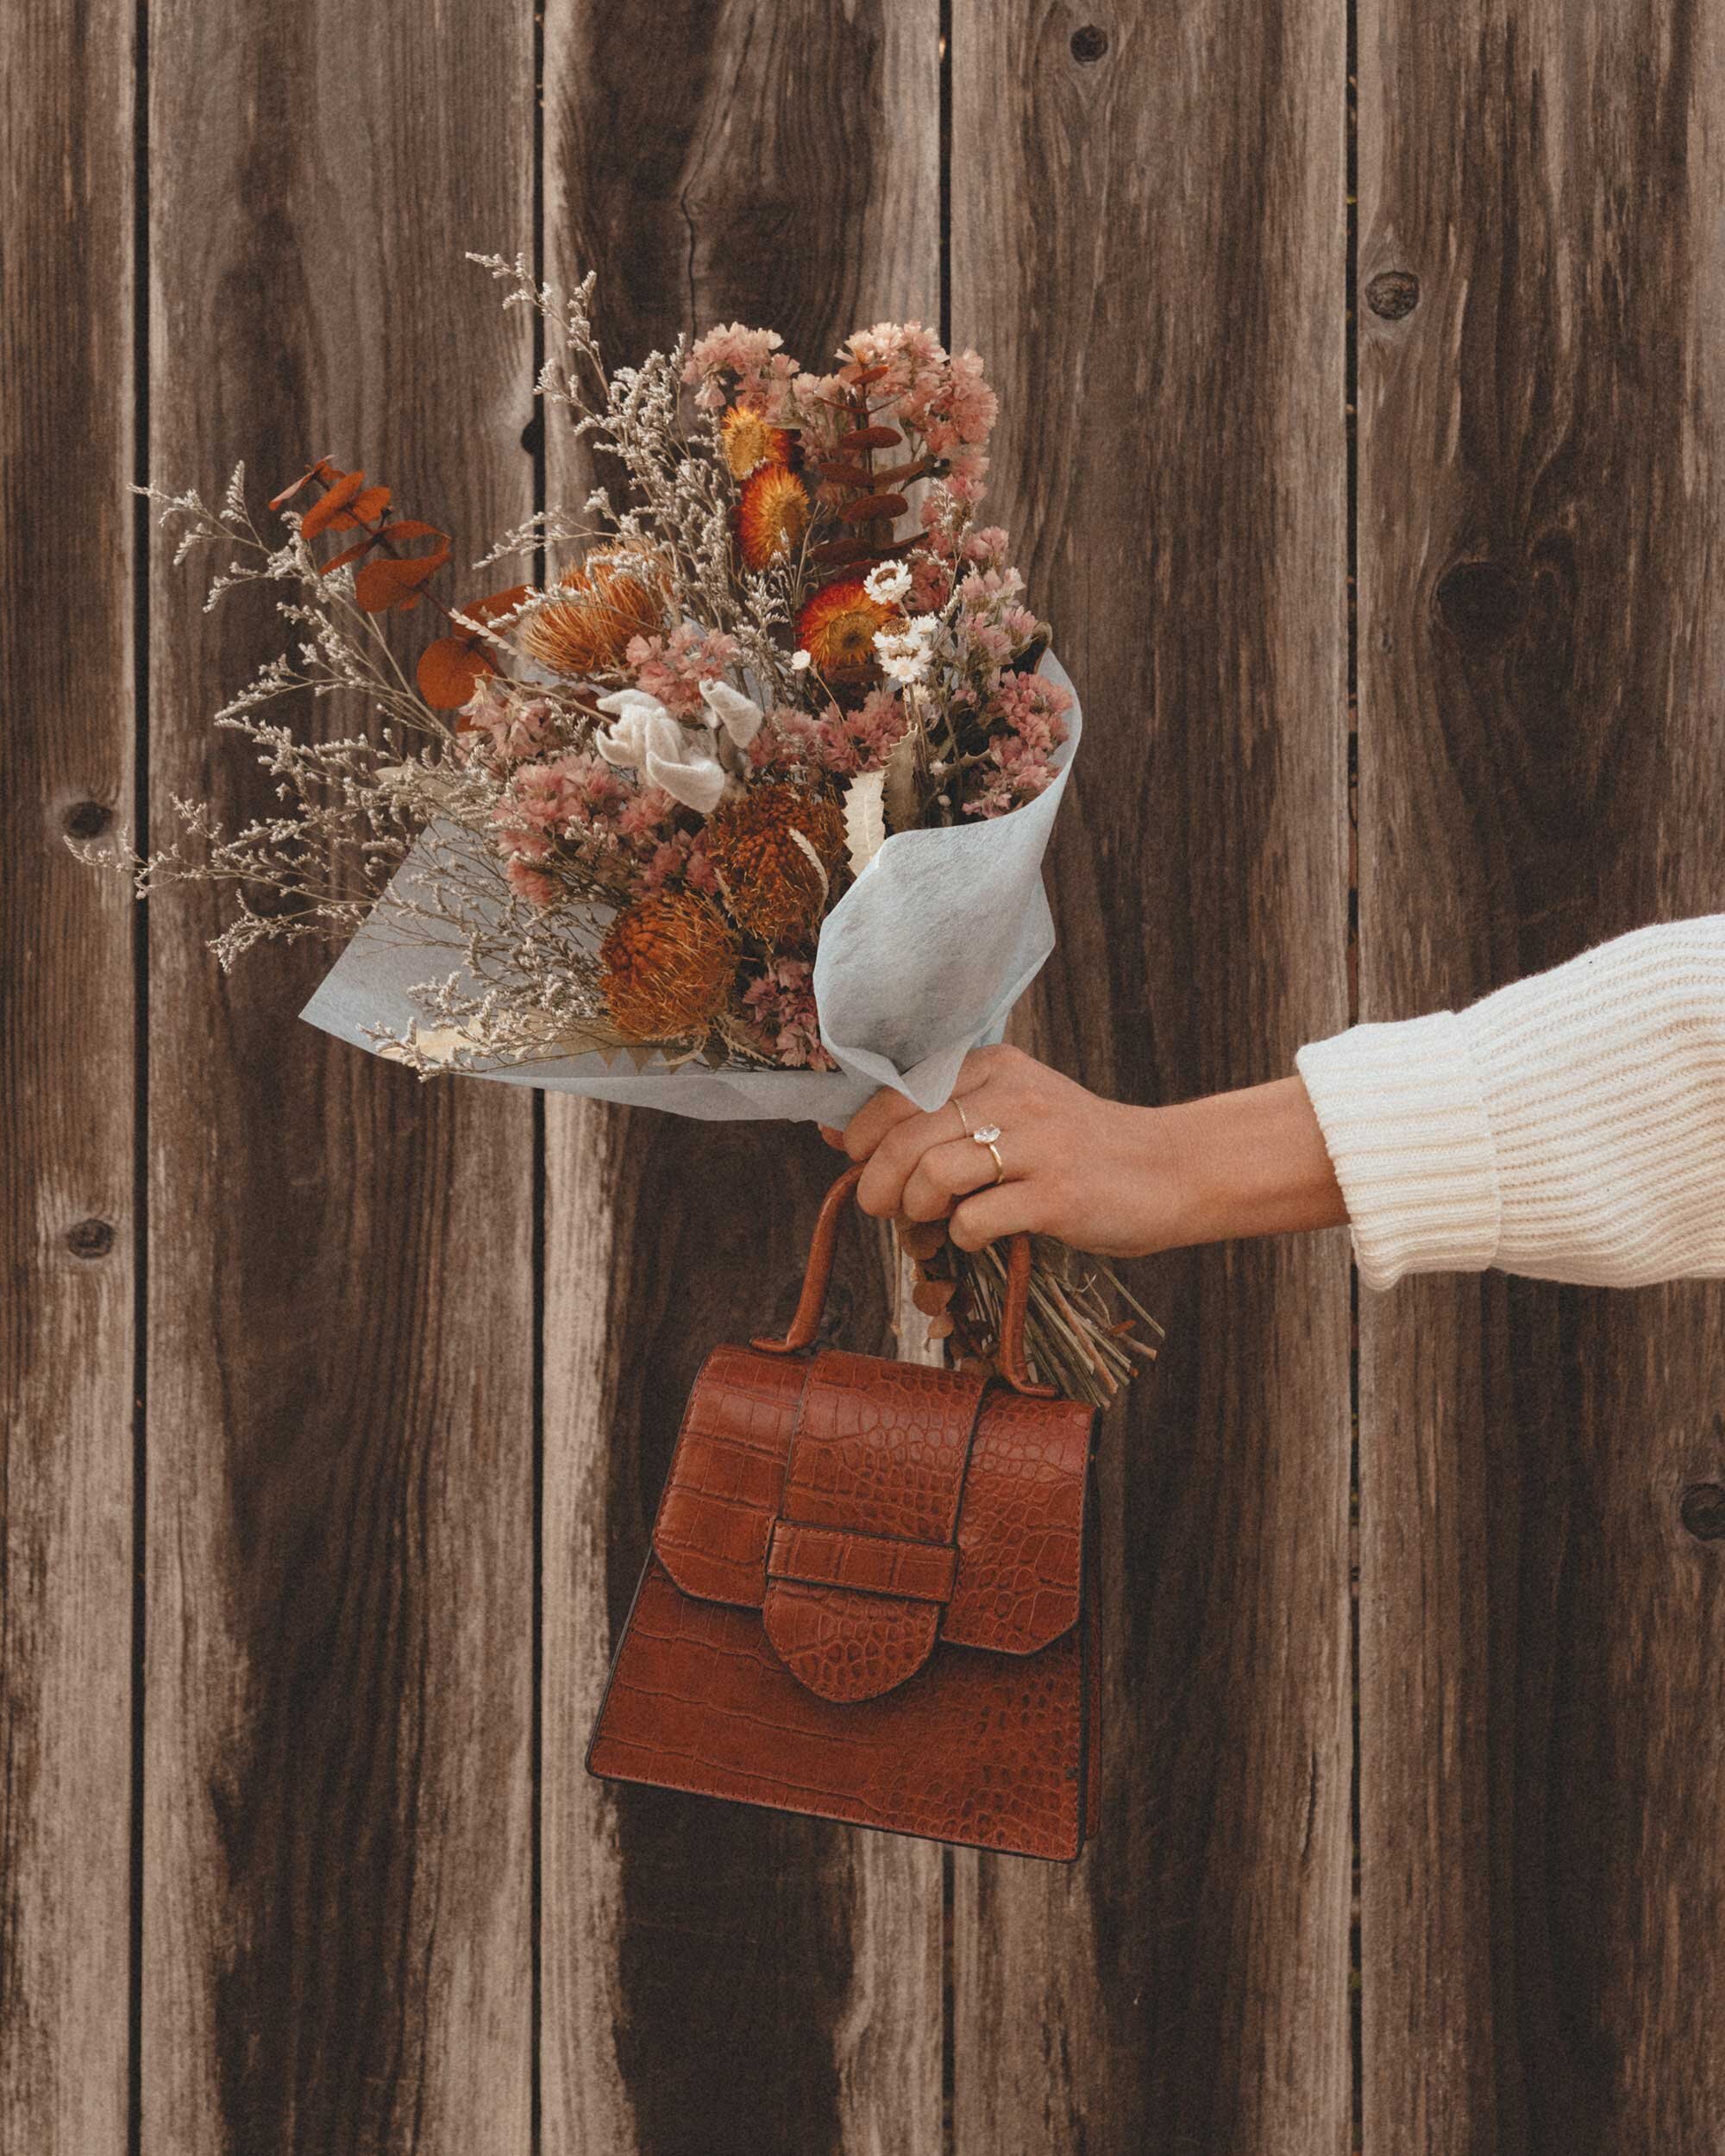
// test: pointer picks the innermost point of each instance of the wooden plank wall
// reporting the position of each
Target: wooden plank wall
(1147, 244)
(68, 1097)
(327, 1468)
(1542, 489)
(337, 1782)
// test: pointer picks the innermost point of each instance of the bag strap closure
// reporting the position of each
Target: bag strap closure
(863, 1554)
(818, 1277)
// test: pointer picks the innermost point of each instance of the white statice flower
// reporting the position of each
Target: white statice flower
(905, 653)
(801, 660)
(888, 582)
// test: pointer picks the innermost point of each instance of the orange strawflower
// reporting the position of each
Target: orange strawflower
(666, 966)
(772, 515)
(836, 627)
(617, 592)
(750, 441)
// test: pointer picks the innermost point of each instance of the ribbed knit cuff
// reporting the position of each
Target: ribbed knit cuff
(1404, 1119)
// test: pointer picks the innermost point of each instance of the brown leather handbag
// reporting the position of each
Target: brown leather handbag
(871, 1593)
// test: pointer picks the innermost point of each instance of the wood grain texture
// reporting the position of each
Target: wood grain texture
(1542, 487)
(717, 1980)
(1148, 248)
(66, 1213)
(336, 1920)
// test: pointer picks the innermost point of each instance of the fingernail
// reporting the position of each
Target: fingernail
(834, 1138)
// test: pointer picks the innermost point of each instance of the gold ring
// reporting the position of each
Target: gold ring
(955, 1102)
(986, 1135)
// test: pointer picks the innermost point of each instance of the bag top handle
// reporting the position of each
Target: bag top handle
(818, 1277)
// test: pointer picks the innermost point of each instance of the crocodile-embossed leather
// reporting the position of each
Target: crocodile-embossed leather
(871, 1596)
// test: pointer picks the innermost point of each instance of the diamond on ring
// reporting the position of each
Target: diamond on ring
(985, 1133)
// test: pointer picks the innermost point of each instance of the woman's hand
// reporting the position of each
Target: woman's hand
(1097, 1173)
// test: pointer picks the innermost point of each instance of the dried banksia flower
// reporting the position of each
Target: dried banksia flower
(666, 966)
(750, 441)
(774, 848)
(772, 515)
(617, 592)
(836, 627)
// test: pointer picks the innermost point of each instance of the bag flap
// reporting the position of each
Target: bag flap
(871, 1507)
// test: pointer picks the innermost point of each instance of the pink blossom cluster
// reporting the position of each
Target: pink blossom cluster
(577, 801)
(1026, 717)
(781, 1003)
(837, 741)
(993, 625)
(941, 398)
(501, 728)
(764, 373)
(673, 667)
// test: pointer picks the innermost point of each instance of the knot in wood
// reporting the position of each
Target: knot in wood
(1701, 1509)
(1480, 601)
(87, 820)
(91, 1239)
(1393, 293)
(1089, 44)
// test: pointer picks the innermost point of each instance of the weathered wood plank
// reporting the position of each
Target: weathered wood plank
(66, 1090)
(337, 1921)
(717, 1980)
(1542, 486)
(1148, 248)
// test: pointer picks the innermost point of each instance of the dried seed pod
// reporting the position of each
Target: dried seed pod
(920, 1239)
(774, 848)
(665, 966)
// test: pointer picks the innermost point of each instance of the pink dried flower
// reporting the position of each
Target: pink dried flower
(532, 884)
(502, 728)
(781, 1003)
(673, 667)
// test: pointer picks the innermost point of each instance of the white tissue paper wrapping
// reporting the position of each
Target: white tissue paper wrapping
(919, 962)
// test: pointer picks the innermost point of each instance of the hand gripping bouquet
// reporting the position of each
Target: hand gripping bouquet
(740, 813)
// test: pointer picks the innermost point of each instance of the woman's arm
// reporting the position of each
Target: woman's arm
(1570, 1126)
(1105, 1177)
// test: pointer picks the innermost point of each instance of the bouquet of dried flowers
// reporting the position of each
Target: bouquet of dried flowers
(698, 814)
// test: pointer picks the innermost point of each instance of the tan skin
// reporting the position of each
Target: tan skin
(1119, 1180)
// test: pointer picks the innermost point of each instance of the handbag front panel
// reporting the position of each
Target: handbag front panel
(981, 1748)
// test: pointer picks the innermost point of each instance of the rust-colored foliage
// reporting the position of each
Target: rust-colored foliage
(347, 504)
(393, 580)
(870, 507)
(449, 668)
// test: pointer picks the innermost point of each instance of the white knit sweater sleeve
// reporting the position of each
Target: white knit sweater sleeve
(1570, 1126)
